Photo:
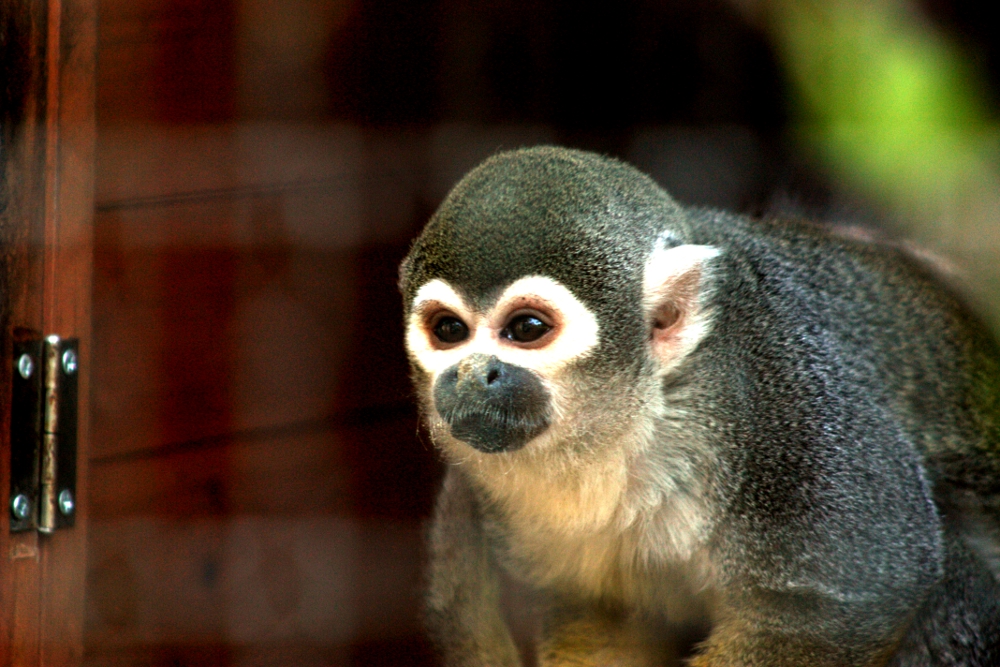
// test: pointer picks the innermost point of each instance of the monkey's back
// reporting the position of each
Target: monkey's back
(897, 330)
(859, 414)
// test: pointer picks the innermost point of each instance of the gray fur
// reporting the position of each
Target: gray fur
(824, 474)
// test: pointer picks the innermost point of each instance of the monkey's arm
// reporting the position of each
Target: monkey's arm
(827, 566)
(810, 626)
(463, 605)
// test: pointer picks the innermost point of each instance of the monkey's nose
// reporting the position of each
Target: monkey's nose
(480, 371)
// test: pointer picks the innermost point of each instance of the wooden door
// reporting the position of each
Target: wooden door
(46, 208)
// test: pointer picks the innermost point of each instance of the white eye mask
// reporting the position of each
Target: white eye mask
(575, 329)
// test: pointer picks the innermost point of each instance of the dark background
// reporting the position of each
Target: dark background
(259, 485)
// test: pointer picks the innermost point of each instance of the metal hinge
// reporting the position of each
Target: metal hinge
(43, 434)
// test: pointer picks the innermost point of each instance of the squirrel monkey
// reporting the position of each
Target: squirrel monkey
(651, 411)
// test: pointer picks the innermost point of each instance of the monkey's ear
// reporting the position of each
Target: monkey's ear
(673, 285)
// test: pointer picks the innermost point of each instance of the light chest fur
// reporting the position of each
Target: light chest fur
(628, 527)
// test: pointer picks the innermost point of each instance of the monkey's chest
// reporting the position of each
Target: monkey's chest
(597, 541)
(587, 564)
(606, 566)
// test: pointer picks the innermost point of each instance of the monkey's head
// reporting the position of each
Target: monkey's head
(551, 290)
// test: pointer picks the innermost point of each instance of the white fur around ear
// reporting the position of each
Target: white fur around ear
(672, 289)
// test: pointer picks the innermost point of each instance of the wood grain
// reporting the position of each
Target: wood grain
(48, 218)
(23, 198)
(67, 290)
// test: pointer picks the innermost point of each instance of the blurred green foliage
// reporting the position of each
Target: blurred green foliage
(890, 105)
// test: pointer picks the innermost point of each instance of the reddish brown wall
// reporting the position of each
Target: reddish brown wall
(257, 487)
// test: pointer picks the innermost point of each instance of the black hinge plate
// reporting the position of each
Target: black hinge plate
(27, 432)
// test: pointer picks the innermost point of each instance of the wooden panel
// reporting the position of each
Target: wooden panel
(168, 60)
(377, 468)
(302, 336)
(278, 271)
(188, 60)
(222, 341)
(298, 471)
(258, 485)
(142, 163)
(251, 580)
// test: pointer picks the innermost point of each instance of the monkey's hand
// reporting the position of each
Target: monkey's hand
(587, 636)
(463, 603)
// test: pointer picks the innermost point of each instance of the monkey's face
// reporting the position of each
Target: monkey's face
(496, 374)
(544, 301)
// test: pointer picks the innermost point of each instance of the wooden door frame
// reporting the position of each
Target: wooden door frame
(47, 233)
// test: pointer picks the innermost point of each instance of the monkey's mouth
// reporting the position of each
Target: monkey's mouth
(492, 431)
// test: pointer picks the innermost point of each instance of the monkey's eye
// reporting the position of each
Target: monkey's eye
(525, 329)
(450, 330)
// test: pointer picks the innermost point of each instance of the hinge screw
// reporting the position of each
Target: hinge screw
(21, 506)
(25, 365)
(69, 362)
(66, 505)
